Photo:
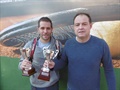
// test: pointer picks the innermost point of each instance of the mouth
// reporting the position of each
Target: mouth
(81, 32)
(46, 36)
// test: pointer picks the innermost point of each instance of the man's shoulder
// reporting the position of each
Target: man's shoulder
(98, 40)
(29, 43)
(70, 41)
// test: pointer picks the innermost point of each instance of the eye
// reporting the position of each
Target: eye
(48, 28)
(42, 28)
(84, 24)
(77, 24)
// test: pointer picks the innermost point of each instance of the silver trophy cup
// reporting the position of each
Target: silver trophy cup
(45, 71)
(25, 52)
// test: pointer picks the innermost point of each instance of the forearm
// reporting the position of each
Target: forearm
(109, 70)
(59, 64)
(110, 78)
(19, 65)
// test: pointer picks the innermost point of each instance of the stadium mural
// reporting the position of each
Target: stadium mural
(18, 24)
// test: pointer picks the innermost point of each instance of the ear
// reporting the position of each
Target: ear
(38, 29)
(90, 25)
(52, 29)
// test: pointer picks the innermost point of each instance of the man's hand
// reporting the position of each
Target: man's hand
(49, 63)
(26, 64)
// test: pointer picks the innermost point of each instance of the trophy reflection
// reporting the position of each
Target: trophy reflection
(26, 55)
(45, 71)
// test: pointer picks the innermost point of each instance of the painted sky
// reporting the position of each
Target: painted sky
(26, 7)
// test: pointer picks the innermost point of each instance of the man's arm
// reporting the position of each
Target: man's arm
(108, 68)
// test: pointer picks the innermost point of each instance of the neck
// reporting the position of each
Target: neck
(44, 41)
(83, 40)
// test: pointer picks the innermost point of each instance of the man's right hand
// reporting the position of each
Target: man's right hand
(49, 63)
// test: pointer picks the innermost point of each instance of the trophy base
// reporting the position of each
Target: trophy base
(44, 75)
(28, 72)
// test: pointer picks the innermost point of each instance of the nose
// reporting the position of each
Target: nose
(80, 26)
(45, 30)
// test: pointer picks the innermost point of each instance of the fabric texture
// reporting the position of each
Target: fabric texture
(53, 87)
(84, 61)
(38, 60)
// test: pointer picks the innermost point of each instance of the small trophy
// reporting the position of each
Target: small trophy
(26, 55)
(45, 71)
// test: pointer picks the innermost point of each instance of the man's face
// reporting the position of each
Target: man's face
(45, 31)
(82, 26)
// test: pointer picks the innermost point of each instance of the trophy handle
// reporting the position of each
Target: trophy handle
(56, 53)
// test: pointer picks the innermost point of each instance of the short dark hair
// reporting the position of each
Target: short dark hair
(45, 19)
(82, 13)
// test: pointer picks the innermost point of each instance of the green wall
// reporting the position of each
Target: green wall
(11, 77)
